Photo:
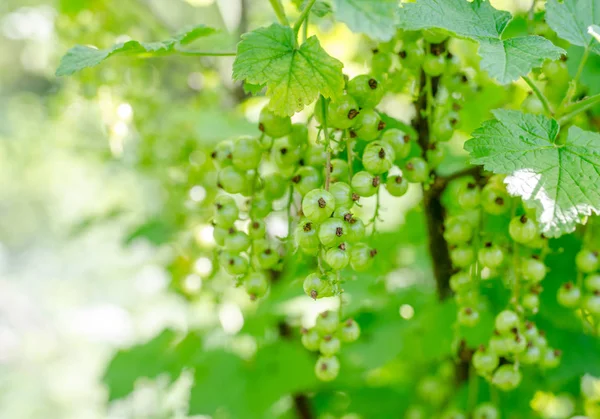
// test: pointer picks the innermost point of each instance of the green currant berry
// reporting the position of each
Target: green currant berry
(522, 229)
(274, 186)
(399, 140)
(266, 257)
(381, 63)
(311, 339)
(495, 200)
(506, 321)
(285, 154)
(531, 302)
(219, 234)
(491, 255)
(591, 303)
(396, 185)
(350, 331)
(460, 281)
(457, 230)
(232, 263)
(355, 230)
(327, 368)
(319, 286)
(318, 205)
(486, 411)
(454, 414)
(332, 232)
(533, 269)
(443, 130)
(299, 135)
(343, 113)
(462, 256)
(500, 345)
(550, 359)
(435, 155)
(330, 345)
(257, 229)
(361, 257)
(223, 153)
(247, 153)
(315, 156)
(256, 284)
(306, 179)
(226, 211)
(327, 322)
(232, 180)
(378, 157)
(516, 344)
(592, 282)
(532, 355)
(366, 90)
(342, 192)
(468, 317)
(260, 206)
(416, 170)
(338, 170)
(469, 196)
(507, 377)
(434, 65)
(337, 257)
(307, 235)
(412, 55)
(365, 184)
(587, 261)
(485, 361)
(236, 241)
(368, 125)
(274, 126)
(433, 389)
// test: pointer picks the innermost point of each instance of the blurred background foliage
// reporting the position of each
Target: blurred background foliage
(112, 304)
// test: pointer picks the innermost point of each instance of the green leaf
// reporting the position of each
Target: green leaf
(559, 180)
(375, 18)
(571, 20)
(80, 57)
(504, 59)
(320, 8)
(294, 75)
(507, 60)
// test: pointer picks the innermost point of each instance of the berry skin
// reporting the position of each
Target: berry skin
(462, 256)
(247, 153)
(233, 264)
(380, 63)
(260, 206)
(306, 179)
(399, 140)
(587, 261)
(506, 377)
(412, 55)
(378, 157)
(311, 340)
(315, 156)
(232, 180)
(219, 234)
(223, 154)
(368, 125)
(342, 192)
(327, 322)
(330, 345)
(592, 282)
(485, 361)
(337, 257)
(532, 355)
(266, 257)
(355, 230)
(316, 286)
(274, 186)
(338, 170)
(522, 229)
(366, 90)
(273, 125)
(486, 411)
(416, 170)
(457, 230)
(361, 257)
(342, 114)
(332, 232)
(306, 235)
(350, 331)
(495, 200)
(491, 255)
(469, 196)
(434, 65)
(365, 184)
(468, 317)
(396, 185)
(285, 154)
(299, 135)
(226, 211)
(256, 285)
(327, 368)
(257, 229)
(443, 130)
(506, 320)
(460, 281)
(550, 359)
(318, 205)
(591, 303)
(533, 269)
(435, 155)
(531, 302)
(237, 241)
(501, 345)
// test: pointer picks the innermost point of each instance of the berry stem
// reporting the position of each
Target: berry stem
(327, 149)
(540, 95)
(375, 213)
(349, 153)
(279, 12)
(516, 268)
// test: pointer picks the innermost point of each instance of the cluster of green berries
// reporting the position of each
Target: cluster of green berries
(326, 337)
(586, 294)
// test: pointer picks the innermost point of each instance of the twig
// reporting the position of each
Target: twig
(540, 95)
(303, 16)
(279, 12)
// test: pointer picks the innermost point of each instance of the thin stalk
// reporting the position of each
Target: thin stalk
(279, 12)
(349, 152)
(516, 266)
(305, 29)
(540, 95)
(193, 53)
(584, 57)
(375, 214)
(327, 150)
(473, 389)
(303, 16)
(578, 107)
